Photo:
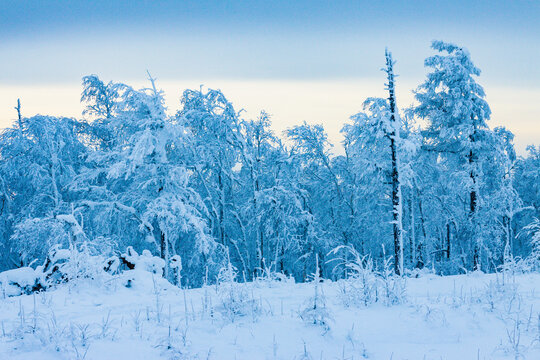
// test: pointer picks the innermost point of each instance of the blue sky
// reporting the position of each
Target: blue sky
(49, 44)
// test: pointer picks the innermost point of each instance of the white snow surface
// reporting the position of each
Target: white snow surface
(475, 316)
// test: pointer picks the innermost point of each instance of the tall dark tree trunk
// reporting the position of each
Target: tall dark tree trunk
(412, 232)
(164, 253)
(19, 116)
(261, 250)
(473, 189)
(260, 237)
(419, 248)
(397, 222)
(473, 207)
(259, 269)
(221, 227)
(162, 245)
(448, 240)
(281, 263)
(507, 251)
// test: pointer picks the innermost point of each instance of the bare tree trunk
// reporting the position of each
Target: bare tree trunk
(419, 247)
(473, 206)
(507, 251)
(412, 239)
(260, 235)
(448, 240)
(221, 229)
(397, 220)
(164, 253)
(19, 117)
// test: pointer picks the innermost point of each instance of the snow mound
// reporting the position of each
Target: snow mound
(24, 280)
(143, 281)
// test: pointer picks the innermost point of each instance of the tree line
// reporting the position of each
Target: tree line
(214, 187)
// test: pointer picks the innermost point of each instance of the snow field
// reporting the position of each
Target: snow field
(475, 316)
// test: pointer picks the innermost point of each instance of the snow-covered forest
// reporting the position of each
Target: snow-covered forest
(208, 197)
(431, 186)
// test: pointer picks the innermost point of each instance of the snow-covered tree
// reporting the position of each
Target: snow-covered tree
(39, 156)
(215, 151)
(274, 213)
(213, 190)
(375, 143)
(453, 104)
(144, 176)
(527, 178)
(322, 194)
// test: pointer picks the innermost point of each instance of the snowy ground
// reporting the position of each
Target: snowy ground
(456, 317)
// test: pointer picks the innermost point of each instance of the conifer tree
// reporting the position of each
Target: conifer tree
(453, 104)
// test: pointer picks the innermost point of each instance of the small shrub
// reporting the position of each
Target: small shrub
(316, 312)
(364, 284)
(234, 297)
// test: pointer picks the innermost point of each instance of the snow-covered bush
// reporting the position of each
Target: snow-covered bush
(361, 285)
(142, 270)
(269, 278)
(142, 280)
(393, 286)
(146, 261)
(316, 311)
(365, 285)
(51, 268)
(235, 300)
(131, 260)
(69, 265)
(24, 280)
(513, 265)
(516, 265)
(83, 263)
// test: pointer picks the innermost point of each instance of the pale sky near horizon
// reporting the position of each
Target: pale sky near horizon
(313, 61)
